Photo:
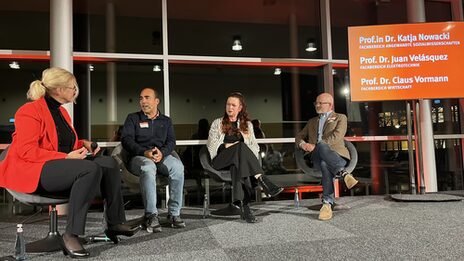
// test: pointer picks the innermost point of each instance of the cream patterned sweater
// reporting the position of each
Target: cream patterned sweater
(216, 138)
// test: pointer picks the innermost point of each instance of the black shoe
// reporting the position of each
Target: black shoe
(175, 221)
(152, 224)
(73, 247)
(246, 213)
(113, 231)
(140, 221)
(269, 188)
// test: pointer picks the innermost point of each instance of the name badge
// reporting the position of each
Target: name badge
(143, 124)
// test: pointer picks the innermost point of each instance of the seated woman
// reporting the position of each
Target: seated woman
(46, 157)
(232, 145)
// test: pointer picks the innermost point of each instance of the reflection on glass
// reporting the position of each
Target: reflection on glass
(448, 155)
(118, 26)
(356, 13)
(245, 28)
(15, 84)
(114, 89)
(24, 27)
(200, 92)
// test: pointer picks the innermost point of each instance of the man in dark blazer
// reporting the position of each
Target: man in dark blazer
(323, 138)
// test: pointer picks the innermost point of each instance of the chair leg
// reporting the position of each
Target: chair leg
(52, 242)
(206, 200)
(206, 212)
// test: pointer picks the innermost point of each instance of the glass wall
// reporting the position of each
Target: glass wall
(268, 95)
(357, 13)
(116, 85)
(25, 25)
(118, 26)
(277, 29)
(13, 89)
(271, 51)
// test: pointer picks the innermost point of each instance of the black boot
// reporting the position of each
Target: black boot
(113, 231)
(269, 188)
(246, 214)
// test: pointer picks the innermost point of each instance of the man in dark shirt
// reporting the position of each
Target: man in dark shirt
(149, 138)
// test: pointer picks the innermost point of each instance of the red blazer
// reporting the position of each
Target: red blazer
(35, 142)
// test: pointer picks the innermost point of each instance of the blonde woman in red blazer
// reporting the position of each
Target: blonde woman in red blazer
(46, 157)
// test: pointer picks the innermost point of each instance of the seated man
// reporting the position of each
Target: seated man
(149, 138)
(323, 137)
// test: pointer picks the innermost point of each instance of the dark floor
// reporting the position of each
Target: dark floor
(363, 228)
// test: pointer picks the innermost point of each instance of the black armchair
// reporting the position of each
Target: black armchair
(52, 242)
(132, 181)
(221, 176)
(302, 164)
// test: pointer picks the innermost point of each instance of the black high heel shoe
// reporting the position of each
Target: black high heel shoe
(69, 242)
(269, 188)
(113, 231)
(246, 213)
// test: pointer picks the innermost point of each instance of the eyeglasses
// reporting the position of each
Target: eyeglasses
(320, 103)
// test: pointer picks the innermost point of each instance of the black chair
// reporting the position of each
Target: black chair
(302, 164)
(221, 176)
(133, 181)
(52, 242)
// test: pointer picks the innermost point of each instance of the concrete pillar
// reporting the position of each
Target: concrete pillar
(61, 38)
(164, 22)
(416, 14)
(111, 84)
(61, 49)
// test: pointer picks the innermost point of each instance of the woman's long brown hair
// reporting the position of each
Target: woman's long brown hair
(242, 116)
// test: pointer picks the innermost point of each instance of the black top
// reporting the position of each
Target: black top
(235, 134)
(141, 133)
(66, 137)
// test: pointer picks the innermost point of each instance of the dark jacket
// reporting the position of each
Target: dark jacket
(140, 134)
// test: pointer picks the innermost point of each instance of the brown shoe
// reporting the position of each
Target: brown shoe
(326, 212)
(350, 181)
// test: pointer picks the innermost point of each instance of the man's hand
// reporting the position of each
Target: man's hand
(157, 155)
(154, 154)
(149, 154)
(77, 154)
(308, 147)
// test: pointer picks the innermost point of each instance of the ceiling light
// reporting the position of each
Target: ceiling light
(14, 65)
(237, 45)
(277, 71)
(311, 46)
(346, 91)
(157, 68)
(334, 71)
(91, 68)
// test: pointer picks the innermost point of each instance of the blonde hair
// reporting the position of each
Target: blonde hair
(52, 78)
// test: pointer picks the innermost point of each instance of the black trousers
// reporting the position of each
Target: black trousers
(243, 166)
(81, 180)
